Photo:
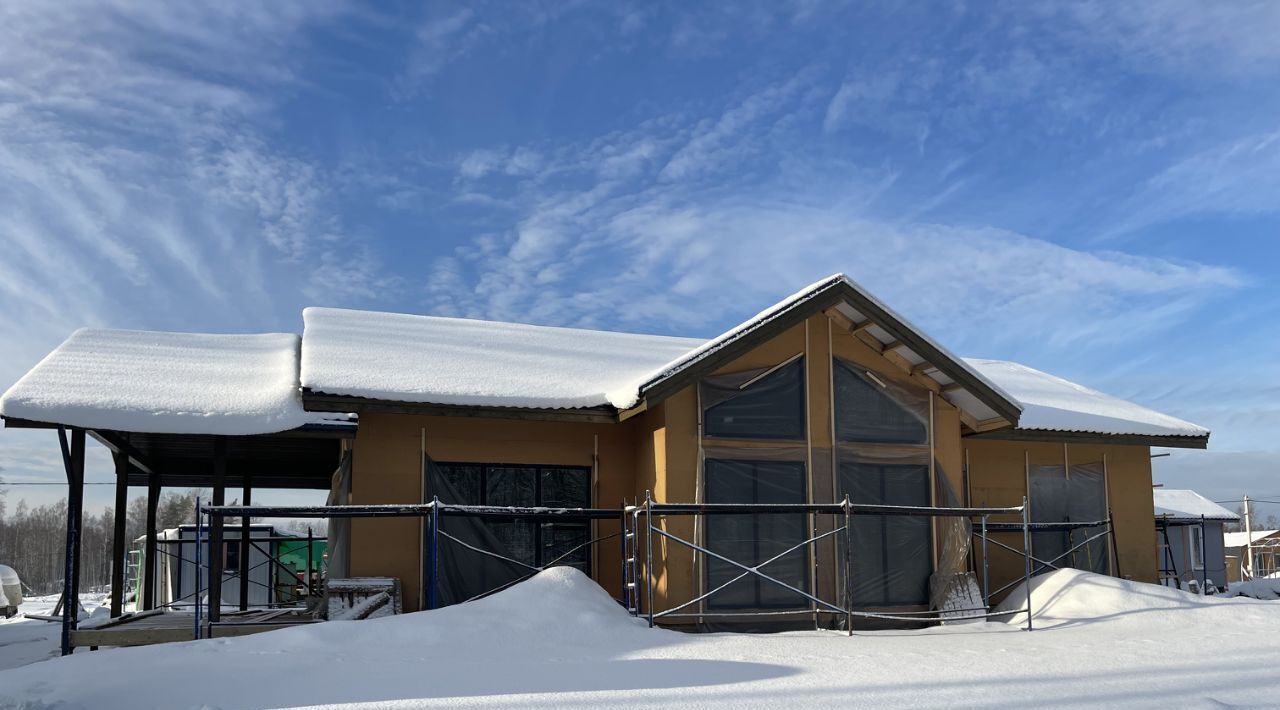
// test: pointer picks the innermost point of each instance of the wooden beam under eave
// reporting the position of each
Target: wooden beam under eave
(991, 425)
(888, 352)
(638, 409)
(923, 368)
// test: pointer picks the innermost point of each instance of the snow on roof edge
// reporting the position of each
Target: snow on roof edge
(149, 381)
(1054, 404)
(1186, 504)
(811, 291)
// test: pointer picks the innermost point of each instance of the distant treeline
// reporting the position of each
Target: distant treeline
(33, 539)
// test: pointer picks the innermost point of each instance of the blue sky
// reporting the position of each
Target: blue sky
(1088, 188)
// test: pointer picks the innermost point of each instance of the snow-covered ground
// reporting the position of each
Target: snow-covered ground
(24, 640)
(560, 641)
(1259, 588)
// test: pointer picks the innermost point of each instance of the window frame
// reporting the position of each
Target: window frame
(538, 524)
(800, 604)
(882, 521)
(852, 369)
(799, 361)
(1195, 546)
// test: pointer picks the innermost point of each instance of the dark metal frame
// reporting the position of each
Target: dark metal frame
(431, 513)
(649, 509)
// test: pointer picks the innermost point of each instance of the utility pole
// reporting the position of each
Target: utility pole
(1248, 536)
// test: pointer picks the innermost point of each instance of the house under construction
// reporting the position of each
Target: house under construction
(825, 452)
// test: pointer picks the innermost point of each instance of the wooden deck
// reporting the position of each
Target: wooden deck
(156, 626)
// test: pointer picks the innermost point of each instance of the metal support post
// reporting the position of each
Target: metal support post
(118, 543)
(1115, 549)
(199, 555)
(648, 551)
(848, 567)
(1026, 546)
(1204, 560)
(216, 547)
(986, 567)
(148, 575)
(245, 534)
(73, 462)
(310, 561)
(434, 554)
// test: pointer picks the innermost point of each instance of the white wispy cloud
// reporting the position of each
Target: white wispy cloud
(136, 187)
(668, 238)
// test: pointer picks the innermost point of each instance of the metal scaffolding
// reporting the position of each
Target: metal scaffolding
(642, 526)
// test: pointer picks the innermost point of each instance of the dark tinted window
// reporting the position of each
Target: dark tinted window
(752, 539)
(770, 408)
(528, 541)
(892, 554)
(865, 412)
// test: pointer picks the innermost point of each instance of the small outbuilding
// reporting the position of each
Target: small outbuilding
(1190, 540)
(1265, 548)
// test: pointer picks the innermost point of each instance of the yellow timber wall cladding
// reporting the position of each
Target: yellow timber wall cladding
(679, 481)
(386, 468)
(998, 477)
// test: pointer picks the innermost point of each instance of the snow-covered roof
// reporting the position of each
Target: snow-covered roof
(979, 395)
(1182, 504)
(454, 361)
(428, 359)
(249, 384)
(1051, 403)
(1240, 539)
(164, 383)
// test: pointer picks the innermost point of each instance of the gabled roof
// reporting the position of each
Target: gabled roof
(382, 358)
(164, 383)
(967, 388)
(1051, 404)
(1181, 505)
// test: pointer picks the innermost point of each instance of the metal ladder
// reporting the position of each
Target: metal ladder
(630, 565)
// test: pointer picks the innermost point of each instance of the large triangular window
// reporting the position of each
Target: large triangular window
(767, 405)
(867, 412)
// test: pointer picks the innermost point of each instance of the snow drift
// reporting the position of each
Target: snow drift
(1073, 596)
(558, 640)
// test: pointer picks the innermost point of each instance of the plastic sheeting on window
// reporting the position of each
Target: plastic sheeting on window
(1049, 498)
(877, 410)
(892, 554)
(1057, 498)
(772, 407)
(752, 539)
(465, 573)
(338, 548)
(1088, 489)
(953, 585)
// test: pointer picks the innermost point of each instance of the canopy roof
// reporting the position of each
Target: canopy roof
(1181, 505)
(165, 383)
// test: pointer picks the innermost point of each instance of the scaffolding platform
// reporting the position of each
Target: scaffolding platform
(152, 627)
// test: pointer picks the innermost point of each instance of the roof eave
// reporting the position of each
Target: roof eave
(313, 401)
(838, 291)
(1084, 437)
